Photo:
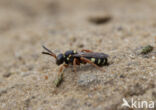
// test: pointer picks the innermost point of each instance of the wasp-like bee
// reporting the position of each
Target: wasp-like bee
(76, 58)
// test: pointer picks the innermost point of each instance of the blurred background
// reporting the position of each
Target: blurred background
(119, 28)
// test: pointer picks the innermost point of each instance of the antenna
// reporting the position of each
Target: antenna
(49, 52)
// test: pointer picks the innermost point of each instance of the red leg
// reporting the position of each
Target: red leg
(62, 68)
(74, 63)
(88, 61)
(85, 50)
(60, 75)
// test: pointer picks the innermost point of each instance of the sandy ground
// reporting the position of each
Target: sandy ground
(26, 76)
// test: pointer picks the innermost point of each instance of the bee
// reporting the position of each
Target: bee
(72, 57)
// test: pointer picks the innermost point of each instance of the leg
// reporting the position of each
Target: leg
(88, 61)
(85, 50)
(74, 63)
(59, 79)
(62, 68)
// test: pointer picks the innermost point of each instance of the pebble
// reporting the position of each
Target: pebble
(99, 19)
(7, 74)
(80, 45)
(153, 57)
(146, 49)
(145, 52)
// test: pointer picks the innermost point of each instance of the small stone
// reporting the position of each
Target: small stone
(122, 76)
(99, 19)
(80, 45)
(3, 91)
(132, 56)
(120, 28)
(147, 49)
(7, 74)
(153, 57)
(145, 52)
(86, 79)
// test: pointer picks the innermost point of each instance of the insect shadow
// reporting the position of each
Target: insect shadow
(83, 68)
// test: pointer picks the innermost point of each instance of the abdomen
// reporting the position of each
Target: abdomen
(99, 61)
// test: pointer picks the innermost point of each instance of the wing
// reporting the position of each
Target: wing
(91, 55)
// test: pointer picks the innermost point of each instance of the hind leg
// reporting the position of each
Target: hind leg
(75, 62)
(88, 61)
(85, 50)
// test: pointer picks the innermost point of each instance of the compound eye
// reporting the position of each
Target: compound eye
(59, 59)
